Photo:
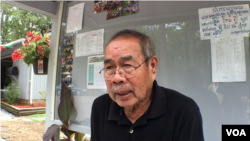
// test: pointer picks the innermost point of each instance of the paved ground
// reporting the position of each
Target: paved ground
(5, 116)
(15, 128)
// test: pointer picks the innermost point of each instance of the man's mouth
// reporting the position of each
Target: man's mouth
(123, 95)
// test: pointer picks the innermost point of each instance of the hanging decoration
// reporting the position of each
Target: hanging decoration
(8, 46)
(4, 47)
(36, 47)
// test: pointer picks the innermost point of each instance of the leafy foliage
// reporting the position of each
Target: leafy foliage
(12, 93)
(64, 111)
(79, 136)
(16, 23)
(35, 47)
(50, 132)
(65, 106)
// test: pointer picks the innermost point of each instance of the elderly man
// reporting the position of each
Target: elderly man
(136, 108)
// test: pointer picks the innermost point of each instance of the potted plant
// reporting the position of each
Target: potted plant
(35, 52)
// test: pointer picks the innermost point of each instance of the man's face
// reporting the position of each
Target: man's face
(128, 92)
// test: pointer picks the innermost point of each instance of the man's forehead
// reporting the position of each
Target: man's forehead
(122, 38)
(123, 48)
(121, 58)
(122, 44)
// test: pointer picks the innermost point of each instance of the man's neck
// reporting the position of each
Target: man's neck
(139, 109)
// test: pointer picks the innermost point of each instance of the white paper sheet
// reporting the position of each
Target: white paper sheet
(75, 17)
(95, 80)
(228, 60)
(89, 43)
(224, 21)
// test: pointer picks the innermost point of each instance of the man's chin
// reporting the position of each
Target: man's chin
(125, 104)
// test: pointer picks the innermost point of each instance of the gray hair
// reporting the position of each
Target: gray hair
(146, 44)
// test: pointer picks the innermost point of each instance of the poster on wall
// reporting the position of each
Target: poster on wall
(224, 21)
(75, 17)
(94, 79)
(228, 59)
(89, 43)
(116, 9)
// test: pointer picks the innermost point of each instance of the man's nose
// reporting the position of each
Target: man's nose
(118, 77)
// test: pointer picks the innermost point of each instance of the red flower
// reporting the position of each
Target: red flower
(38, 37)
(30, 34)
(16, 55)
(42, 52)
(26, 44)
(1, 48)
(32, 38)
(39, 48)
(13, 57)
(21, 55)
(15, 51)
(26, 40)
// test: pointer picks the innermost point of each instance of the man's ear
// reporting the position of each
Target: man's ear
(153, 65)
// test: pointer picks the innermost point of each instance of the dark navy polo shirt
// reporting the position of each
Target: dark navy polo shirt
(171, 116)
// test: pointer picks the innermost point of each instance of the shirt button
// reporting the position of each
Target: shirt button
(131, 131)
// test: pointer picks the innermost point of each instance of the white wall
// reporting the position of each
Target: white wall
(22, 78)
(38, 82)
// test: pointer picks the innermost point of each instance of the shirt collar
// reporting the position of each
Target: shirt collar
(158, 103)
(156, 108)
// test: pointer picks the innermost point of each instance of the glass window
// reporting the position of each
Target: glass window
(185, 61)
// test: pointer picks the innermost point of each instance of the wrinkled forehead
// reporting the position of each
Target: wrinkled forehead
(122, 59)
(128, 41)
(123, 49)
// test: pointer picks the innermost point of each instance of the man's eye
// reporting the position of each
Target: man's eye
(109, 67)
(127, 65)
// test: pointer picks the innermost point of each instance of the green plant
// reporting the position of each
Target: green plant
(64, 111)
(37, 117)
(12, 93)
(35, 46)
(43, 93)
(21, 22)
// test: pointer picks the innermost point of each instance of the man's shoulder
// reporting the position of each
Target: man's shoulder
(102, 101)
(176, 98)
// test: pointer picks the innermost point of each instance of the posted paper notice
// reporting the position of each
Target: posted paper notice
(224, 21)
(75, 17)
(89, 43)
(95, 80)
(228, 60)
